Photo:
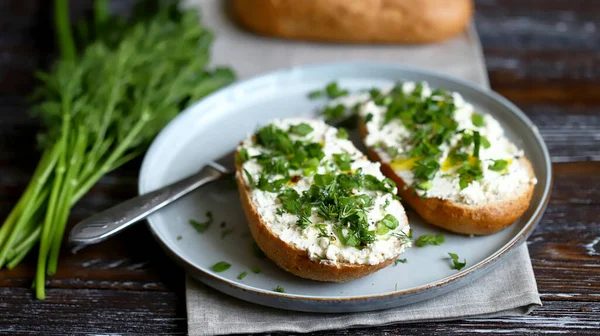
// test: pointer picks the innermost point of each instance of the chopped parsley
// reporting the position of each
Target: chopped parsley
(430, 240)
(477, 120)
(242, 275)
(316, 94)
(333, 112)
(457, 265)
(179, 237)
(343, 161)
(431, 124)
(403, 261)
(469, 172)
(334, 91)
(202, 226)
(279, 289)
(221, 266)
(342, 133)
(337, 195)
(226, 232)
(302, 129)
(242, 156)
(255, 269)
(499, 165)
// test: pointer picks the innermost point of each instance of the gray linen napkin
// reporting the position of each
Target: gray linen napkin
(508, 289)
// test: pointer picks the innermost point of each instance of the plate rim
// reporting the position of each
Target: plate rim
(478, 268)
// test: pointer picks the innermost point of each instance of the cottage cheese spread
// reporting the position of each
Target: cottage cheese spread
(392, 142)
(326, 247)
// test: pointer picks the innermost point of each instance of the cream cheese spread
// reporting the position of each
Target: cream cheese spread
(322, 239)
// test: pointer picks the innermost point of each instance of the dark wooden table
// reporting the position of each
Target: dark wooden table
(544, 55)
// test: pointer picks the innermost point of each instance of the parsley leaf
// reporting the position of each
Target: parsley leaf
(342, 133)
(477, 120)
(255, 269)
(221, 266)
(457, 265)
(334, 112)
(430, 240)
(302, 129)
(316, 94)
(279, 289)
(343, 161)
(242, 156)
(499, 165)
(242, 275)
(202, 226)
(333, 91)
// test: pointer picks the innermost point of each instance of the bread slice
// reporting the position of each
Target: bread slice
(296, 260)
(372, 21)
(459, 217)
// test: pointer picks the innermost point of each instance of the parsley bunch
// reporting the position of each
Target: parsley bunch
(101, 108)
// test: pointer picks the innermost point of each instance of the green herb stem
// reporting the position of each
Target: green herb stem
(63, 29)
(66, 193)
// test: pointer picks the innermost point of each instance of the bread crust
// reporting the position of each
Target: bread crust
(355, 21)
(461, 218)
(290, 258)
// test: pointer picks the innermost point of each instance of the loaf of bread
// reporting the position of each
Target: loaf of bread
(355, 21)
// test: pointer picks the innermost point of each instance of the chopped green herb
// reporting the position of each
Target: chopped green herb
(342, 133)
(430, 240)
(249, 178)
(332, 113)
(257, 251)
(476, 144)
(310, 166)
(302, 129)
(457, 265)
(469, 172)
(202, 226)
(226, 232)
(279, 289)
(400, 261)
(221, 266)
(255, 269)
(477, 120)
(425, 185)
(179, 237)
(242, 156)
(369, 117)
(485, 142)
(316, 94)
(343, 161)
(333, 91)
(242, 275)
(499, 165)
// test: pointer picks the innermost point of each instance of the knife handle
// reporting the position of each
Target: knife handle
(112, 221)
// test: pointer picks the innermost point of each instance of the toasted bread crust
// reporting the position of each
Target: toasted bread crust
(289, 257)
(461, 218)
(373, 21)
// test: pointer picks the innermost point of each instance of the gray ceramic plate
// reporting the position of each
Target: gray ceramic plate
(213, 127)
